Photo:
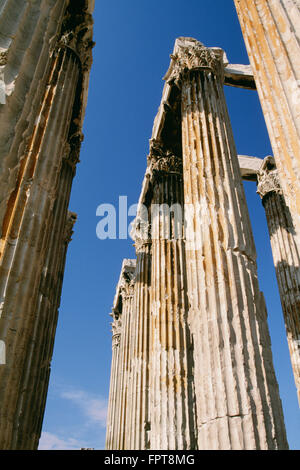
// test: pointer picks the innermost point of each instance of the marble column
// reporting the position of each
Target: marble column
(271, 31)
(237, 396)
(172, 414)
(35, 207)
(137, 425)
(286, 257)
(35, 378)
(122, 313)
(112, 423)
(43, 361)
(127, 297)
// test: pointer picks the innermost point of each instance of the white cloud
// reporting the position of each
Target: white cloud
(93, 407)
(49, 441)
(90, 412)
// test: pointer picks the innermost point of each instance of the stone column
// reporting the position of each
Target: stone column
(26, 239)
(119, 371)
(49, 298)
(285, 255)
(28, 32)
(35, 209)
(112, 423)
(171, 397)
(137, 408)
(237, 396)
(271, 31)
(127, 299)
(35, 378)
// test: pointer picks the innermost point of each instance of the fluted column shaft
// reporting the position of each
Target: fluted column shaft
(122, 314)
(35, 377)
(238, 403)
(35, 209)
(124, 375)
(27, 32)
(112, 422)
(44, 367)
(26, 234)
(171, 398)
(271, 31)
(286, 257)
(137, 407)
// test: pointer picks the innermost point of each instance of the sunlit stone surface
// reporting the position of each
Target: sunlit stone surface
(200, 342)
(271, 31)
(285, 255)
(45, 58)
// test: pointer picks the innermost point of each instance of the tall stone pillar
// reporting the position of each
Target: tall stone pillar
(112, 423)
(137, 407)
(127, 301)
(271, 31)
(35, 378)
(237, 396)
(34, 200)
(171, 390)
(42, 346)
(122, 313)
(286, 257)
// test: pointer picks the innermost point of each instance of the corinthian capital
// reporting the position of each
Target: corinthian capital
(141, 233)
(267, 178)
(116, 327)
(76, 34)
(71, 219)
(190, 54)
(142, 236)
(163, 161)
(72, 149)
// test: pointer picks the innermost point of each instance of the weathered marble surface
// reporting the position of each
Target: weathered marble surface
(285, 255)
(271, 31)
(45, 57)
(234, 400)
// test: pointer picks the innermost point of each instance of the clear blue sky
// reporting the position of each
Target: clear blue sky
(134, 39)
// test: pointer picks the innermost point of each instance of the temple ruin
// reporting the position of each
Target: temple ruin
(199, 372)
(192, 364)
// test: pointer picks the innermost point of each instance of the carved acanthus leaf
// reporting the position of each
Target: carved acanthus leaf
(194, 57)
(77, 37)
(71, 219)
(163, 161)
(72, 149)
(116, 340)
(267, 178)
(140, 244)
(127, 285)
(116, 327)
(141, 234)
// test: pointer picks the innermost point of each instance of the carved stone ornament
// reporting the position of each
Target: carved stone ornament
(127, 288)
(3, 58)
(72, 149)
(76, 36)
(141, 234)
(116, 340)
(116, 327)
(267, 178)
(163, 161)
(140, 244)
(71, 219)
(194, 57)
